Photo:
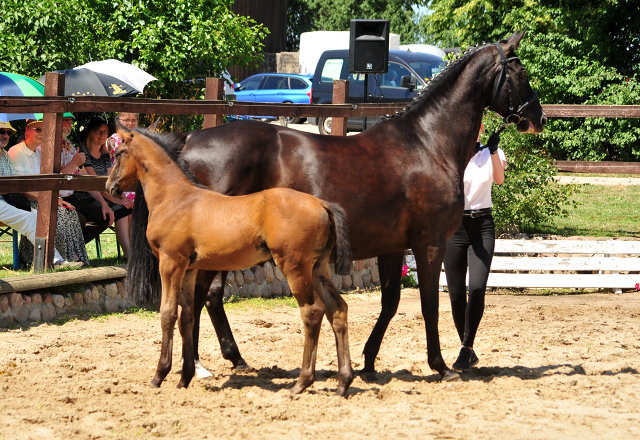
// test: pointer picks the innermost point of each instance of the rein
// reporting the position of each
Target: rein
(515, 116)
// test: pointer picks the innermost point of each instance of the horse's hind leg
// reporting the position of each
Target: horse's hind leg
(210, 289)
(311, 311)
(390, 267)
(199, 298)
(171, 274)
(185, 324)
(337, 310)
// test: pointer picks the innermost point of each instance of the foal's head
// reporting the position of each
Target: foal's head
(127, 169)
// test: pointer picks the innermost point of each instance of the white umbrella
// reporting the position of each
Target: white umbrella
(123, 71)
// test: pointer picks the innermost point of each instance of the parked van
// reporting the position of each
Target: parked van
(408, 73)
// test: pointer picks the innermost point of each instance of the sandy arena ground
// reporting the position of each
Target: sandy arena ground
(550, 367)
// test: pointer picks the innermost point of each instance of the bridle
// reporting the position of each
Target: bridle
(515, 116)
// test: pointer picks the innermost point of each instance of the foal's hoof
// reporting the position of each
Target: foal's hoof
(450, 376)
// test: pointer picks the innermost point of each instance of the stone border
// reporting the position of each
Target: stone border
(264, 281)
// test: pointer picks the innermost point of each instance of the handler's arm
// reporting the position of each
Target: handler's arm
(498, 168)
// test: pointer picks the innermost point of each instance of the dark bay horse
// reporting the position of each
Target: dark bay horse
(400, 182)
(192, 228)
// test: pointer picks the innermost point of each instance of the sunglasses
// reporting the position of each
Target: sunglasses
(37, 130)
(3, 132)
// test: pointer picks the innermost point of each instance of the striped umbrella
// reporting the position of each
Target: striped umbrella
(12, 84)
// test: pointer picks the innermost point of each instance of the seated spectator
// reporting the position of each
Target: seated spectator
(98, 162)
(22, 220)
(129, 120)
(97, 217)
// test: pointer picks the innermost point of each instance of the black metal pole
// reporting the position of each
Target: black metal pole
(366, 89)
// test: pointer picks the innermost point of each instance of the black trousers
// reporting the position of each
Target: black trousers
(471, 246)
(94, 224)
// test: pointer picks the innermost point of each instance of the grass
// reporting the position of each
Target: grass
(603, 211)
(109, 255)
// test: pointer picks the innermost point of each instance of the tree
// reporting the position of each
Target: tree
(576, 52)
(174, 40)
(335, 15)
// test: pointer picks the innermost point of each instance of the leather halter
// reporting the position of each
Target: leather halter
(515, 116)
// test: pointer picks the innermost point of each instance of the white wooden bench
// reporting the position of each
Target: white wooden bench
(554, 263)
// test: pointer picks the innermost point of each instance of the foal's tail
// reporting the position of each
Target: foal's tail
(143, 278)
(342, 247)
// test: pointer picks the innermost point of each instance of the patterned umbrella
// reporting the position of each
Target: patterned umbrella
(85, 82)
(12, 84)
(126, 72)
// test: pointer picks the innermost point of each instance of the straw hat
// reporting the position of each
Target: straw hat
(7, 126)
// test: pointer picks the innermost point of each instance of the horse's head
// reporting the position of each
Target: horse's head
(125, 170)
(512, 96)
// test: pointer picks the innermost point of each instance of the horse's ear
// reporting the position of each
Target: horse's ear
(154, 126)
(513, 42)
(123, 132)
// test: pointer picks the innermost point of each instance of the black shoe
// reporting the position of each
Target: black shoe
(467, 359)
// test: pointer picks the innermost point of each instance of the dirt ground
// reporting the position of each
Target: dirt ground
(550, 367)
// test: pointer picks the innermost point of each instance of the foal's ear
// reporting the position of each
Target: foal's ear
(513, 42)
(123, 132)
(154, 126)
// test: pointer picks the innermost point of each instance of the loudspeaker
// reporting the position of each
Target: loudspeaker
(369, 46)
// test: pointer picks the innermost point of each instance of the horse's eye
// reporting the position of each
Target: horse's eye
(522, 74)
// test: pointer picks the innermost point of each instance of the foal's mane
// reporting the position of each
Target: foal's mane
(172, 145)
(452, 69)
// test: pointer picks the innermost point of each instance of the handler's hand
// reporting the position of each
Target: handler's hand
(492, 143)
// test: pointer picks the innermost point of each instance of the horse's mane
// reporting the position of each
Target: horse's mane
(172, 145)
(432, 89)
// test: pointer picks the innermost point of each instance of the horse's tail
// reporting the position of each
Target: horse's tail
(143, 277)
(342, 247)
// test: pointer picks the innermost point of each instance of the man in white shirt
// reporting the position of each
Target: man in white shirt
(22, 221)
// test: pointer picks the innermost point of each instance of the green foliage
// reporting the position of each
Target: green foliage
(576, 53)
(408, 280)
(180, 42)
(529, 196)
(335, 15)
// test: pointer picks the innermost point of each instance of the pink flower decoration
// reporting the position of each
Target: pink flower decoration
(637, 286)
(405, 271)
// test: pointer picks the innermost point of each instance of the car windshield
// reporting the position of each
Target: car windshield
(427, 69)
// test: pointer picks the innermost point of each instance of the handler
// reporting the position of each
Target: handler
(472, 246)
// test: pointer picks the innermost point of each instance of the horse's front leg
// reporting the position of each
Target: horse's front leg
(171, 274)
(429, 262)
(390, 267)
(185, 324)
(210, 285)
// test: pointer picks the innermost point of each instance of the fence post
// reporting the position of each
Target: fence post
(214, 92)
(340, 96)
(49, 163)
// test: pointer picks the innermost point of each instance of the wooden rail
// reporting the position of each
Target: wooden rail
(213, 107)
(597, 167)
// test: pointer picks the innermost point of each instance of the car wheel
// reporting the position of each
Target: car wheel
(292, 120)
(324, 125)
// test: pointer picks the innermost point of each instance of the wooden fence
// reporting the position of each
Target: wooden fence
(54, 104)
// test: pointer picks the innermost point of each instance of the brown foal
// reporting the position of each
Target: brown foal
(193, 228)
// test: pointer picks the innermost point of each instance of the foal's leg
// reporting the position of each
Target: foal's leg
(390, 267)
(185, 324)
(171, 273)
(337, 310)
(429, 263)
(312, 311)
(199, 298)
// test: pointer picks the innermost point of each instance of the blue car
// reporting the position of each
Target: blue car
(275, 87)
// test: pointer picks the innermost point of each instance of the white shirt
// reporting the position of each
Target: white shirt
(27, 161)
(478, 179)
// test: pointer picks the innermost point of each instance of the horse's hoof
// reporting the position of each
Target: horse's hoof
(450, 376)
(368, 375)
(241, 365)
(152, 384)
(201, 372)
(182, 385)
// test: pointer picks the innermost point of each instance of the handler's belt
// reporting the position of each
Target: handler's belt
(473, 213)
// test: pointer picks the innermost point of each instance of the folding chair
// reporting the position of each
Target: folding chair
(99, 248)
(4, 229)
